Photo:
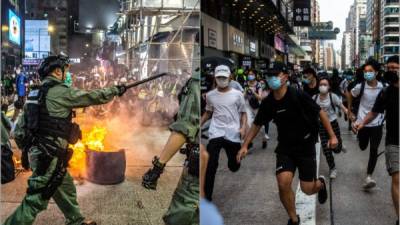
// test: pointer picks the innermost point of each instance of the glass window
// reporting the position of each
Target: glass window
(390, 11)
(391, 50)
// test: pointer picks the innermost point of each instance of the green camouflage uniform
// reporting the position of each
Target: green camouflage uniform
(184, 207)
(5, 130)
(60, 101)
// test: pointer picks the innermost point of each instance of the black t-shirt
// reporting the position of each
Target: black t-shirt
(311, 91)
(293, 129)
(388, 100)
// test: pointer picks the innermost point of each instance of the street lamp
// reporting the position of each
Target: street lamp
(50, 28)
(4, 28)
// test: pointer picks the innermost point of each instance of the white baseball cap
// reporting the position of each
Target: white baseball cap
(222, 71)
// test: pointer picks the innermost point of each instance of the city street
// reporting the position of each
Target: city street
(250, 196)
(127, 203)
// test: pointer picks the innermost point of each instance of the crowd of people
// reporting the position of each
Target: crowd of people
(305, 107)
(154, 102)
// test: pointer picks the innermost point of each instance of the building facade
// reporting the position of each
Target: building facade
(389, 28)
(346, 51)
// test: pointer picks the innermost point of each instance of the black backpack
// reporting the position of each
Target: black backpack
(253, 101)
(330, 98)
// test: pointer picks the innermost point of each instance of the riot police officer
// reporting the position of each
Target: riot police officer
(184, 206)
(44, 132)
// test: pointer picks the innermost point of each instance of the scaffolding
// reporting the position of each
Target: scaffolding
(159, 35)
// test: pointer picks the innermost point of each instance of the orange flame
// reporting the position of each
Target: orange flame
(93, 140)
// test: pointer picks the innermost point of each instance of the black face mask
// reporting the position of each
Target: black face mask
(391, 77)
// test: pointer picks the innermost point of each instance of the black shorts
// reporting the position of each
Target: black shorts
(307, 165)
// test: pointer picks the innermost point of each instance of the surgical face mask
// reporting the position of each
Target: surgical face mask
(323, 89)
(251, 77)
(306, 81)
(68, 79)
(369, 76)
(274, 83)
(349, 77)
(222, 82)
(288, 83)
(18, 71)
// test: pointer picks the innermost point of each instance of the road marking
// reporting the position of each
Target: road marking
(305, 204)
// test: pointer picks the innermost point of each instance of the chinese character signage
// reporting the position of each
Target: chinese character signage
(302, 13)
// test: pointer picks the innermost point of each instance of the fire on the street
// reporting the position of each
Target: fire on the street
(92, 139)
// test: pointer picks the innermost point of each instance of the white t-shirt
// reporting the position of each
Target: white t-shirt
(326, 105)
(226, 108)
(367, 102)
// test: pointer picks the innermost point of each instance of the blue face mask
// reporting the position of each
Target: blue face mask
(274, 83)
(68, 79)
(251, 77)
(369, 76)
(306, 81)
(349, 77)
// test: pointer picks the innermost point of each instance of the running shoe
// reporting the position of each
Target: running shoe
(290, 222)
(369, 183)
(323, 193)
(333, 174)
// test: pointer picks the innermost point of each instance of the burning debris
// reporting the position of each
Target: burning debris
(92, 161)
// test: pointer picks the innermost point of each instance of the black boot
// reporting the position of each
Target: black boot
(151, 176)
(88, 222)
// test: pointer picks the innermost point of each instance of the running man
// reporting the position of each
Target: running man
(297, 135)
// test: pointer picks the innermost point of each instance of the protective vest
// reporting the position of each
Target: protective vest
(41, 124)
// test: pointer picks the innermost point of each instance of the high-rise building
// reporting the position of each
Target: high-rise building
(57, 15)
(346, 61)
(373, 26)
(329, 57)
(315, 44)
(322, 63)
(389, 28)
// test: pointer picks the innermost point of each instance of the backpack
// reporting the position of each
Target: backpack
(253, 101)
(330, 98)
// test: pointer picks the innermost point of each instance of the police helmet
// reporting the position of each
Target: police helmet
(52, 62)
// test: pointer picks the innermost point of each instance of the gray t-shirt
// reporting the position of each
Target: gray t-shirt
(326, 105)
(226, 108)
